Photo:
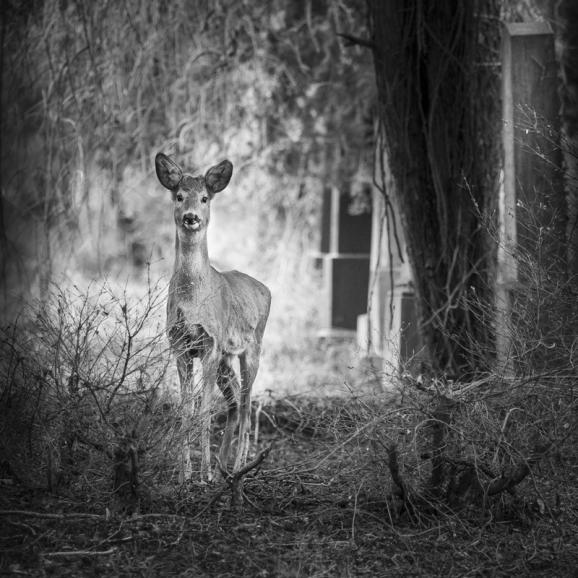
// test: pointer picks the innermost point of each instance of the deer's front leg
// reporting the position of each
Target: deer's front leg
(209, 377)
(186, 371)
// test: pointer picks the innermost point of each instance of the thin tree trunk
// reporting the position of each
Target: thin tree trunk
(567, 27)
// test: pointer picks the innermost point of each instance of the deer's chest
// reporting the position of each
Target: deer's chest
(196, 326)
(192, 338)
(201, 322)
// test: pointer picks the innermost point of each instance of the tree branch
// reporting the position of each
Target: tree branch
(356, 41)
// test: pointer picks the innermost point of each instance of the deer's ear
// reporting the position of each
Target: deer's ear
(168, 172)
(218, 177)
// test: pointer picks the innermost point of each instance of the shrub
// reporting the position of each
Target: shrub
(83, 388)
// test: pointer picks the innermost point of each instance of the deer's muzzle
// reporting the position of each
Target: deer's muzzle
(191, 221)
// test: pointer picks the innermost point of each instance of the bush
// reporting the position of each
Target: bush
(468, 444)
(84, 394)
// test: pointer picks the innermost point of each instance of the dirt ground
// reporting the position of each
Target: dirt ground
(320, 505)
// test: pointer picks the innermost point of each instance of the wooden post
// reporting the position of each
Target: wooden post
(532, 206)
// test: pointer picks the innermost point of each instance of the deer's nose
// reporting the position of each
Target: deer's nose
(191, 220)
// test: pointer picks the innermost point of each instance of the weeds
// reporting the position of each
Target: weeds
(429, 475)
(83, 391)
(477, 446)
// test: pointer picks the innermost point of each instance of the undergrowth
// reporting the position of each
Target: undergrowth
(401, 474)
(323, 504)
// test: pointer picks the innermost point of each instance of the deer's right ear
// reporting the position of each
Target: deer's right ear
(168, 172)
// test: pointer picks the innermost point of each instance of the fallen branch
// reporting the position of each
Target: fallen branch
(48, 516)
(253, 464)
(507, 482)
(235, 479)
(82, 553)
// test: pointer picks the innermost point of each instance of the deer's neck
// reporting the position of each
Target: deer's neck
(192, 261)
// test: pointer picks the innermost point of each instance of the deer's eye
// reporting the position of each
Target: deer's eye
(179, 197)
(204, 199)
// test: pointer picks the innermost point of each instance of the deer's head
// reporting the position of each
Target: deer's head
(191, 194)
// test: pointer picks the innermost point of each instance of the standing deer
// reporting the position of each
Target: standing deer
(213, 317)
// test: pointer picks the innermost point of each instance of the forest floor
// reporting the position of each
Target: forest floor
(319, 505)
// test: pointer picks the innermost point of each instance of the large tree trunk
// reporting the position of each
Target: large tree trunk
(439, 106)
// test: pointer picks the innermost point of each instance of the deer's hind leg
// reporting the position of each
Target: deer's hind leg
(249, 363)
(229, 385)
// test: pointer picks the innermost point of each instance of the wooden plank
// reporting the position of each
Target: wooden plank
(346, 283)
(528, 28)
(532, 203)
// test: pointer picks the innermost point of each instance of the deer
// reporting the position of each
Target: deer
(213, 317)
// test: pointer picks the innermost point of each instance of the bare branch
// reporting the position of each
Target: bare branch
(356, 41)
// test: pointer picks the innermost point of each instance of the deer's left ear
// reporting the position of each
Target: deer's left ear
(218, 177)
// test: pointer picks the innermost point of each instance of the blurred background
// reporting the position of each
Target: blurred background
(93, 90)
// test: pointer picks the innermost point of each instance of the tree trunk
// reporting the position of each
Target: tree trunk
(439, 111)
(566, 21)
